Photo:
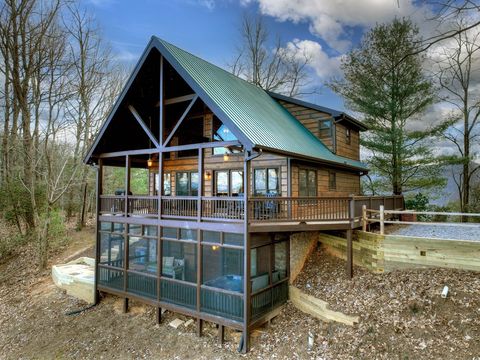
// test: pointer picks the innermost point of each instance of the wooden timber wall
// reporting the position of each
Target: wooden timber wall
(310, 118)
(379, 253)
(352, 150)
(216, 162)
(348, 183)
(367, 251)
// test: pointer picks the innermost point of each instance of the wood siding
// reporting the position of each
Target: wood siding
(347, 183)
(352, 150)
(310, 119)
(216, 162)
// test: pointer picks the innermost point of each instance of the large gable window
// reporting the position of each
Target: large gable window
(307, 182)
(221, 133)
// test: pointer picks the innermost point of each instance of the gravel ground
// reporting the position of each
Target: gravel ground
(401, 317)
(440, 232)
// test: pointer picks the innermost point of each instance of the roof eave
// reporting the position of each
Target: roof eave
(352, 120)
(312, 158)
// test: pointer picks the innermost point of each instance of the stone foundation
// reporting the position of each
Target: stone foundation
(301, 246)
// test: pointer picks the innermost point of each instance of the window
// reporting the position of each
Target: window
(332, 180)
(229, 183)
(348, 136)
(325, 127)
(221, 133)
(186, 184)
(307, 182)
(167, 185)
(266, 181)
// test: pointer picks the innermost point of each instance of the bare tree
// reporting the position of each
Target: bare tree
(97, 80)
(25, 27)
(273, 68)
(459, 76)
(446, 12)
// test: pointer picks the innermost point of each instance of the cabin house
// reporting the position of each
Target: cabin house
(229, 173)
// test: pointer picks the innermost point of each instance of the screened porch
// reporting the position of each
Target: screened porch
(202, 272)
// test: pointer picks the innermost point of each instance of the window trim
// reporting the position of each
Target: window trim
(279, 179)
(189, 172)
(308, 169)
(330, 127)
(229, 185)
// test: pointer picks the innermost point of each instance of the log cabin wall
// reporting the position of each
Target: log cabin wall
(310, 118)
(343, 147)
(347, 183)
(213, 163)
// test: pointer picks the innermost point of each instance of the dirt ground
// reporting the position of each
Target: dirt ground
(401, 317)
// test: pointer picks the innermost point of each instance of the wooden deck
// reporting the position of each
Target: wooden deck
(292, 213)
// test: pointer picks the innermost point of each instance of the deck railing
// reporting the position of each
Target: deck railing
(298, 209)
(143, 205)
(179, 206)
(231, 208)
(261, 209)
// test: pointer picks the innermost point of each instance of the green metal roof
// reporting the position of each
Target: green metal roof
(261, 119)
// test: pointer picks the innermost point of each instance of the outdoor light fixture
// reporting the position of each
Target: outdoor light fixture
(226, 156)
(208, 175)
(149, 162)
(215, 247)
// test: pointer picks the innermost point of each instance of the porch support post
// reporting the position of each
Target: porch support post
(158, 315)
(221, 334)
(160, 189)
(351, 216)
(126, 247)
(199, 238)
(97, 229)
(289, 186)
(246, 257)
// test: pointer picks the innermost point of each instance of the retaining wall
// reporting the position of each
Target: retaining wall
(379, 253)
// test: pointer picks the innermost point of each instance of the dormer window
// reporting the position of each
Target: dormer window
(325, 127)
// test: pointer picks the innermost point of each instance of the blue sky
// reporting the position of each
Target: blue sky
(210, 28)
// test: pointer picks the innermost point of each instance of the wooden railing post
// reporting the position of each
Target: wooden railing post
(382, 220)
(364, 217)
(351, 216)
(97, 229)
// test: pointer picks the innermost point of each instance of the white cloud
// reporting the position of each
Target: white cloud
(329, 19)
(125, 56)
(209, 4)
(102, 3)
(324, 66)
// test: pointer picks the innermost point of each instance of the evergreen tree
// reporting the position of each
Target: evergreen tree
(386, 84)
